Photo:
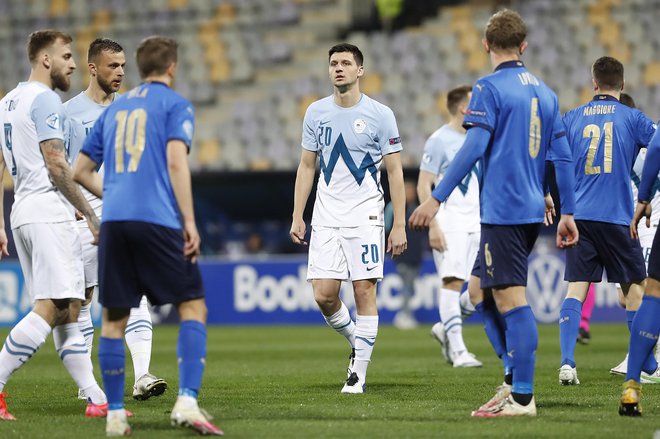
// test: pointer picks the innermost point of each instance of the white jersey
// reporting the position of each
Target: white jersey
(636, 179)
(460, 213)
(32, 113)
(82, 113)
(350, 143)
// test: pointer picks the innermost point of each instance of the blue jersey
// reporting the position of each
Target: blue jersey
(522, 115)
(647, 186)
(605, 137)
(130, 138)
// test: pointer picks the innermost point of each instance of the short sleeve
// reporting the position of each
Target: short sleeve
(645, 129)
(48, 115)
(181, 122)
(309, 141)
(434, 158)
(93, 146)
(482, 110)
(560, 149)
(389, 138)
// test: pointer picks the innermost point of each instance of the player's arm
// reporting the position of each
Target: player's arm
(396, 242)
(475, 146)
(562, 158)
(646, 192)
(61, 175)
(84, 173)
(179, 172)
(425, 182)
(3, 234)
(303, 187)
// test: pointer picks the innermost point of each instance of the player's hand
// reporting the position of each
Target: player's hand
(437, 238)
(191, 241)
(642, 209)
(297, 232)
(567, 232)
(79, 215)
(425, 213)
(397, 242)
(3, 243)
(94, 227)
(549, 210)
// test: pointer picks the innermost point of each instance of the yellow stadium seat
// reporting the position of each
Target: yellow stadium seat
(209, 152)
(468, 40)
(58, 8)
(102, 20)
(599, 15)
(621, 51)
(260, 164)
(441, 105)
(305, 102)
(371, 84)
(586, 94)
(610, 35)
(225, 14)
(477, 61)
(177, 4)
(652, 74)
(220, 71)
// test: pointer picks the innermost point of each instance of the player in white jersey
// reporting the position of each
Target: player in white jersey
(106, 62)
(42, 218)
(454, 235)
(352, 135)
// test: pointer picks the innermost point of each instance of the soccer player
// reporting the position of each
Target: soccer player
(42, 218)
(454, 235)
(149, 241)
(352, 135)
(514, 125)
(605, 137)
(646, 325)
(106, 62)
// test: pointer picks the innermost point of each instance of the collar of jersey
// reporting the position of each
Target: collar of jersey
(510, 64)
(604, 98)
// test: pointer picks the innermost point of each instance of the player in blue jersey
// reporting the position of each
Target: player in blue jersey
(351, 135)
(514, 126)
(149, 242)
(33, 139)
(646, 325)
(106, 62)
(605, 137)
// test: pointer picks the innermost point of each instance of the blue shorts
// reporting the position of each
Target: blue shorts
(654, 258)
(138, 258)
(604, 245)
(503, 253)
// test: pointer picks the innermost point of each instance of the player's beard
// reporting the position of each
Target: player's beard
(105, 85)
(60, 80)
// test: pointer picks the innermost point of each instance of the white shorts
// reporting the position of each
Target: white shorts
(51, 259)
(646, 236)
(345, 253)
(457, 261)
(90, 254)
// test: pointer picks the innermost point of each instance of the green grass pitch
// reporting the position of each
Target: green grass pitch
(284, 382)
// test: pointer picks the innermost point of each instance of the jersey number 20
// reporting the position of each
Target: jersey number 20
(130, 137)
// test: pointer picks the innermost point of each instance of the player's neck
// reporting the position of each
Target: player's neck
(456, 123)
(41, 76)
(165, 79)
(347, 98)
(99, 96)
(498, 58)
(613, 93)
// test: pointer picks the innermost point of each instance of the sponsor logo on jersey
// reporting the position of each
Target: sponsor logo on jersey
(395, 140)
(478, 113)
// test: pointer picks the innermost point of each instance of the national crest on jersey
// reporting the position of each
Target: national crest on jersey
(350, 143)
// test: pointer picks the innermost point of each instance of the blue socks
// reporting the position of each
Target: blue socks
(630, 316)
(650, 364)
(521, 342)
(495, 330)
(191, 353)
(643, 336)
(111, 360)
(569, 325)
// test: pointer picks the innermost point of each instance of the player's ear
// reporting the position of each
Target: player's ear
(360, 71)
(171, 69)
(485, 44)
(92, 68)
(523, 47)
(623, 84)
(45, 60)
(595, 84)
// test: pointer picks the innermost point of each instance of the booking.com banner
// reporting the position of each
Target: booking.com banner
(274, 291)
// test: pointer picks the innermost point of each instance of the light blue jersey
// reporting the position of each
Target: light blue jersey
(82, 113)
(461, 210)
(350, 143)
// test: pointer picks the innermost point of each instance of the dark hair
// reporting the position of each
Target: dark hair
(627, 100)
(155, 54)
(456, 96)
(505, 30)
(42, 39)
(102, 44)
(608, 73)
(345, 47)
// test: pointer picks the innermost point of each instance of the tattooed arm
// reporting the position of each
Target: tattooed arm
(62, 176)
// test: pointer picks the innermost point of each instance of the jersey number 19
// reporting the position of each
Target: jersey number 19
(130, 137)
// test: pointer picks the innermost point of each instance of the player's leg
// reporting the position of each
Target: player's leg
(139, 336)
(91, 268)
(334, 311)
(634, 293)
(569, 324)
(584, 334)
(438, 330)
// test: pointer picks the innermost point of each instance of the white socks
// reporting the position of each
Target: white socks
(450, 314)
(366, 330)
(139, 334)
(342, 323)
(467, 309)
(86, 326)
(71, 347)
(21, 343)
